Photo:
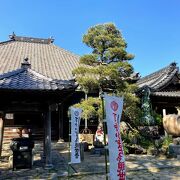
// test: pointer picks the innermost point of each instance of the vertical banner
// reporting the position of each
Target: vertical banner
(75, 147)
(113, 109)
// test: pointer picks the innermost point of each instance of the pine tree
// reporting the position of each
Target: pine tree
(107, 68)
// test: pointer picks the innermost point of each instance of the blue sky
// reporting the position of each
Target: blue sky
(150, 27)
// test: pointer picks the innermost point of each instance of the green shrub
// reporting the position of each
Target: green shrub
(166, 141)
(157, 118)
(145, 143)
(125, 148)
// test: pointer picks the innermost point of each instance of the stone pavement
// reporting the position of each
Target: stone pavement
(93, 167)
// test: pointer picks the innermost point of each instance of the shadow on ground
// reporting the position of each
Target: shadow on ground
(93, 167)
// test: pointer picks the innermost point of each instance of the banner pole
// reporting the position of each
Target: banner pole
(104, 128)
(69, 147)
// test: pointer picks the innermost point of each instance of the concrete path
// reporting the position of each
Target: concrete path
(93, 167)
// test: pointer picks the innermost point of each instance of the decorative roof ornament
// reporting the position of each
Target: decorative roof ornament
(51, 40)
(25, 64)
(12, 36)
(172, 66)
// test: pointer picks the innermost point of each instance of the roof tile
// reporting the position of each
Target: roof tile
(46, 59)
(167, 93)
(27, 79)
(159, 79)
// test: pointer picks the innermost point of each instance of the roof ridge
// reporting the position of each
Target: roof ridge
(41, 41)
(40, 75)
(4, 42)
(13, 37)
(28, 79)
(20, 70)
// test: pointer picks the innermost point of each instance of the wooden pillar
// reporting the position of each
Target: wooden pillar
(60, 111)
(44, 137)
(1, 131)
(48, 154)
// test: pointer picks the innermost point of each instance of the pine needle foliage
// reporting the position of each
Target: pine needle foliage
(106, 69)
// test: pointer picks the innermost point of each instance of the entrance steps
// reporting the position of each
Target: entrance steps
(13, 132)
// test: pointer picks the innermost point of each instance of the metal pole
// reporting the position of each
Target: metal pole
(69, 146)
(104, 127)
(86, 127)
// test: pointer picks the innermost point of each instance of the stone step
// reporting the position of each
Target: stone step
(7, 136)
(13, 132)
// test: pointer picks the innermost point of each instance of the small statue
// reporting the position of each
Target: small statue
(99, 137)
(147, 119)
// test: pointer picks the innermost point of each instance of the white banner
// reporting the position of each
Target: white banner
(75, 147)
(113, 108)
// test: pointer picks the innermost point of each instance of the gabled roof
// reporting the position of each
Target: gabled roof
(45, 58)
(159, 79)
(27, 79)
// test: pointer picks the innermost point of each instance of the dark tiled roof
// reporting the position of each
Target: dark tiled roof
(27, 79)
(167, 93)
(159, 79)
(45, 58)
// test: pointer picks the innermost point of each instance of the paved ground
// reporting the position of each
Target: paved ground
(163, 174)
(93, 167)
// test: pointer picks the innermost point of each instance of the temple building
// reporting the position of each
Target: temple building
(36, 89)
(163, 89)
